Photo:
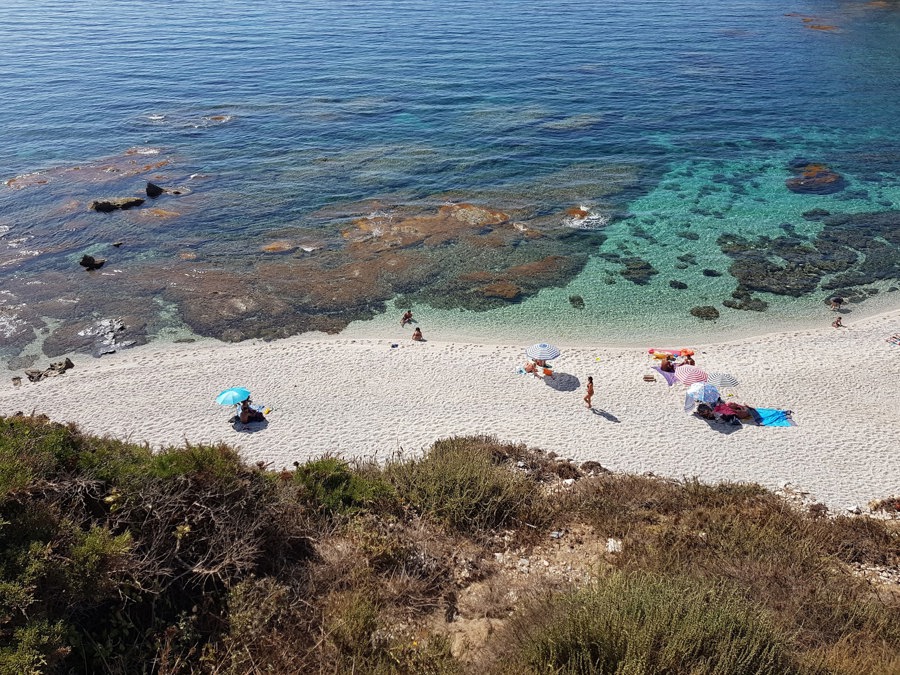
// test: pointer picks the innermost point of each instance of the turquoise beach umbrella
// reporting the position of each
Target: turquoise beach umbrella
(232, 395)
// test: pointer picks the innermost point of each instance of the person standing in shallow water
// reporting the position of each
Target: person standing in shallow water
(406, 318)
(590, 392)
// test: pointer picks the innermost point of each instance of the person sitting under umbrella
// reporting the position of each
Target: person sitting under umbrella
(248, 414)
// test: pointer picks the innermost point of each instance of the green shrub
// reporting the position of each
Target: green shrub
(34, 649)
(459, 484)
(331, 485)
(218, 462)
(94, 558)
(116, 462)
(641, 624)
(32, 448)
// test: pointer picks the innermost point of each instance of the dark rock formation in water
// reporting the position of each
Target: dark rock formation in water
(107, 205)
(91, 263)
(153, 190)
(460, 255)
(815, 214)
(576, 301)
(711, 273)
(705, 312)
(677, 285)
(850, 250)
(745, 301)
(814, 178)
(638, 271)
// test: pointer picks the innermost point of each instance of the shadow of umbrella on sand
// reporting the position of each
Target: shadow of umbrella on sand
(562, 382)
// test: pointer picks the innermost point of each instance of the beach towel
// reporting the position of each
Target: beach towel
(894, 339)
(670, 377)
(772, 417)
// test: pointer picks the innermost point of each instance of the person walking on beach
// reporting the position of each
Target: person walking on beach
(406, 318)
(590, 392)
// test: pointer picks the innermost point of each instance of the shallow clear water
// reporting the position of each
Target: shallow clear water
(285, 121)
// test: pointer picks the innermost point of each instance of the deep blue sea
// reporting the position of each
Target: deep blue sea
(567, 170)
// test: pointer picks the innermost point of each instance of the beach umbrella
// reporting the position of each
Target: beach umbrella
(542, 352)
(232, 395)
(690, 374)
(700, 392)
(722, 379)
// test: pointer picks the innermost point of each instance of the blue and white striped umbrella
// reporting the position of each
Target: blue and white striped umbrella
(722, 380)
(542, 352)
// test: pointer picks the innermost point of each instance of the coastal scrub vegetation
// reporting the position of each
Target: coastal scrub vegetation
(475, 557)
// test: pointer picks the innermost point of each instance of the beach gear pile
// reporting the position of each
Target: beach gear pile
(703, 394)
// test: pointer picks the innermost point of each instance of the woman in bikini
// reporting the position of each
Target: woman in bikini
(590, 392)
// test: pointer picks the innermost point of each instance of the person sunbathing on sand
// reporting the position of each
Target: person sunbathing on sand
(837, 323)
(417, 335)
(248, 414)
(530, 367)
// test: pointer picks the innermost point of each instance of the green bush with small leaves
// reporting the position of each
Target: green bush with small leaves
(459, 483)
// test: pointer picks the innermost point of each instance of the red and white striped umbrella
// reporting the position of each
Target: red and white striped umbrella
(690, 374)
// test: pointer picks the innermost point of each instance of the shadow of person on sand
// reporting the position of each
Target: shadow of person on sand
(721, 427)
(562, 382)
(605, 415)
(250, 427)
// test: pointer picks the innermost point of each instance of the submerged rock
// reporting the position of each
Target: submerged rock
(501, 289)
(711, 273)
(677, 285)
(815, 214)
(705, 312)
(744, 301)
(638, 271)
(815, 179)
(576, 301)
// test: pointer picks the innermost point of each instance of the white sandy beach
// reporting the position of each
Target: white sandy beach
(361, 397)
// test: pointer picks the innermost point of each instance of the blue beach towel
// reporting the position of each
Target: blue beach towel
(773, 417)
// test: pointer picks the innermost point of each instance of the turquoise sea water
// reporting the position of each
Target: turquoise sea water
(284, 124)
